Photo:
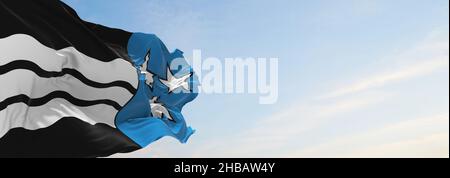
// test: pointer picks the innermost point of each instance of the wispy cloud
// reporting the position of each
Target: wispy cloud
(278, 130)
(420, 137)
(379, 80)
(427, 57)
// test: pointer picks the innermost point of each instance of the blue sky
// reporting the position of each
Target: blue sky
(357, 78)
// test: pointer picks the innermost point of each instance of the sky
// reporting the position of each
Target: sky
(357, 78)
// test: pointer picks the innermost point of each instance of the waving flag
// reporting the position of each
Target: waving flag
(71, 88)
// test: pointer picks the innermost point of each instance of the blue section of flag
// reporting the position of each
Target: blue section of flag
(155, 111)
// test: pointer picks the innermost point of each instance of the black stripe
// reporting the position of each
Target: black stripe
(57, 26)
(69, 137)
(28, 65)
(33, 102)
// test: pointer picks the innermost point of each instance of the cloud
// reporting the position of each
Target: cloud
(428, 146)
(421, 137)
(426, 58)
(419, 69)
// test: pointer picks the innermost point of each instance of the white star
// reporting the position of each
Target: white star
(173, 83)
(158, 110)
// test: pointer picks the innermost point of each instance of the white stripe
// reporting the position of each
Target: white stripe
(28, 83)
(32, 118)
(25, 47)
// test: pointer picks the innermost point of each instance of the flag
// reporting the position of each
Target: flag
(71, 88)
